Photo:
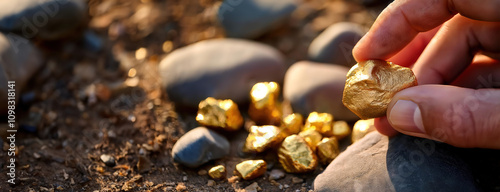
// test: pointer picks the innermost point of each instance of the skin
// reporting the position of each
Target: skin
(453, 47)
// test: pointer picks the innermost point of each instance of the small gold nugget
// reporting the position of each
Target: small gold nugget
(261, 138)
(371, 84)
(296, 156)
(341, 129)
(265, 108)
(251, 169)
(361, 128)
(321, 122)
(293, 123)
(219, 113)
(328, 150)
(218, 172)
(312, 137)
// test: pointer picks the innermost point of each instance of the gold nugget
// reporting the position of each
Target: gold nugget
(312, 137)
(341, 129)
(296, 156)
(261, 138)
(321, 122)
(328, 150)
(361, 128)
(220, 114)
(218, 172)
(251, 169)
(293, 123)
(265, 108)
(371, 84)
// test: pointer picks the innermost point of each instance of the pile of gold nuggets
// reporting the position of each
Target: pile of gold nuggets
(301, 146)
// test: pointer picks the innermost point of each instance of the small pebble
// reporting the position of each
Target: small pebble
(276, 174)
(233, 179)
(202, 172)
(108, 160)
(210, 183)
(297, 180)
(180, 187)
(286, 186)
(185, 178)
(254, 187)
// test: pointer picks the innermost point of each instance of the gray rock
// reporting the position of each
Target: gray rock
(46, 19)
(317, 87)
(108, 160)
(276, 174)
(252, 18)
(334, 45)
(19, 60)
(199, 146)
(221, 68)
(402, 164)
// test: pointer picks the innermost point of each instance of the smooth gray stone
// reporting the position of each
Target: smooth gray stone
(334, 45)
(403, 163)
(317, 87)
(45, 19)
(19, 60)
(199, 146)
(252, 18)
(220, 68)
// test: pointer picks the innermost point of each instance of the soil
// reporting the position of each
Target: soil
(101, 95)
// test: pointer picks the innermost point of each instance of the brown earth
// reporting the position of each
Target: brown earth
(81, 107)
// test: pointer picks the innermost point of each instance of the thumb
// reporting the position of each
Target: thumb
(458, 116)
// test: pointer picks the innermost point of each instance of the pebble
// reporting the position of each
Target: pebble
(181, 187)
(211, 183)
(252, 18)
(276, 174)
(311, 86)
(19, 60)
(219, 68)
(296, 180)
(184, 178)
(254, 187)
(199, 146)
(334, 45)
(108, 160)
(202, 172)
(44, 19)
(403, 163)
(144, 164)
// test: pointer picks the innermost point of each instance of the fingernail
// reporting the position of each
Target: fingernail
(405, 116)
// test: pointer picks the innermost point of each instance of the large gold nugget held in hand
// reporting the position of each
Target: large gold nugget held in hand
(261, 138)
(265, 109)
(361, 128)
(327, 150)
(251, 169)
(371, 84)
(296, 156)
(218, 172)
(219, 114)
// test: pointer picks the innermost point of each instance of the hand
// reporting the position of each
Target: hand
(451, 42)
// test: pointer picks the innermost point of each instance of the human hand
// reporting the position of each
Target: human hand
(462, 51)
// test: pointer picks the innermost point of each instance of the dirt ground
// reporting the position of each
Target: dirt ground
(84, 103)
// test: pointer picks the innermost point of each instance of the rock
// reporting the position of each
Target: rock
(276, 174)
(254, 187)
(45, 19)
(334, 45)
(402, 163)
(252, 18)
(296, 180)
(211, 183)
(144, 164)
(19, 60)
(220, 68)
(317, 87)
(108, 160)
(199, 146)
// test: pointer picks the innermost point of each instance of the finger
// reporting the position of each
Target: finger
(454, 47)
(382, 125)
(481, 74)
(402, 20)
(410, 53)
(459, 116)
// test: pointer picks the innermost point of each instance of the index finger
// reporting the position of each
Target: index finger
(402, 20)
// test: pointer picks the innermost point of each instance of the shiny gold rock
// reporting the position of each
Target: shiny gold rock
(361, 128)
(265, 109)
(218, 172)
(261, 138)
(341, 129)
(321, 122)
(251, 169)
(293, 123)
(296, 156)
(371, 84)
(220, 114)
(327, 150)
(312, 137)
